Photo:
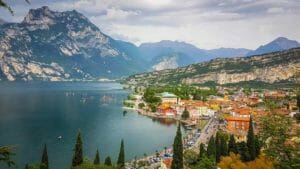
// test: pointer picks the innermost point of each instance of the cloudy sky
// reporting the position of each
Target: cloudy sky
(204, 23)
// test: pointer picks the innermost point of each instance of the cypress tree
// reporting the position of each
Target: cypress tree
(107, 161)
(97, 158)
(218, 147)
(257, 146)
(243, 151)
(202, 151)
(27, 166)
(78, 154)
(44, 161)
(121, 158)
(177, 162)
(251, 141)
(223, 147)
(232, 145)
(211, 148)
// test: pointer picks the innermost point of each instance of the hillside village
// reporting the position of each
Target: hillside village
(229, 108)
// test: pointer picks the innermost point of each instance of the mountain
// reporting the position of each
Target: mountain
(2, 21)
(49, 45)
(228, 52)
(268, 68)
(185, 53)
(278, 44)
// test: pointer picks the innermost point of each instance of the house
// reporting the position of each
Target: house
(166, 111)
(169, 97)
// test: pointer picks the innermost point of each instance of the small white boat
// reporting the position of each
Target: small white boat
(59, 137)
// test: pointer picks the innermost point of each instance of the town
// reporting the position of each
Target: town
(206, 111)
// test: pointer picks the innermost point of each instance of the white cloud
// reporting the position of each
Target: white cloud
(205, 23)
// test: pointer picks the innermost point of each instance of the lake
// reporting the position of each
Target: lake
(35, 113)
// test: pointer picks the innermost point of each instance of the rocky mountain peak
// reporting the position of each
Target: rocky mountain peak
(39, 15)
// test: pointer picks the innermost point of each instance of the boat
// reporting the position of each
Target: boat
(59, 137)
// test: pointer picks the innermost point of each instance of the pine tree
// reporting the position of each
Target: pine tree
(78, 154)
(251, 141)
(107, 161)
(97, 158)
(44, 161)
(121, 158)
(177, 162)
(218, 147)
(232, 145)
(202, 151)
(223, 147)
(211, 148)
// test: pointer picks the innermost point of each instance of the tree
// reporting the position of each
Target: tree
(44, 161)
(107, 161)
(298, 101)
(121, 158)
(257, 146)
(223, 147)
(202, 151)
(251, 141)
(6, 152)
(177, 162)
(211, 148)
(243, 151)
(231, 145)
(218, 147)
(190, 156)
(97, 158)
(232, 162)
(27, 166)
(141, 105)
(275, 137)
(78, 154)
(185, 114)
(207, 163)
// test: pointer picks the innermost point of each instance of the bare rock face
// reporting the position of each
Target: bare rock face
(51, 45)
(269, 68)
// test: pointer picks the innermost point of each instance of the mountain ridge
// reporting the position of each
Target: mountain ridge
(268, 68)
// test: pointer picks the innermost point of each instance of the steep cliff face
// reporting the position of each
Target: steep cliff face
(269, 68)
(50, 45)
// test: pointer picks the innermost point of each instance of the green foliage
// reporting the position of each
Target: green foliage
(185, 114)
(207, 163)
(232, 145)
(107, 161)
(6, 152)
(223, 147)
(141, 105)
(78, 152)
(177, 162)
(190, 156)
(202, 151)
(275, 132)
(218, 147)
(121, 158)
(251, 141)
(97, 158)
(211, 148)
(44, 161)
(243, 151)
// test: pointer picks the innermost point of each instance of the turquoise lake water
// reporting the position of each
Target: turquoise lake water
(32, 114)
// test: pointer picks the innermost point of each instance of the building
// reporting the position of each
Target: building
(167, 97)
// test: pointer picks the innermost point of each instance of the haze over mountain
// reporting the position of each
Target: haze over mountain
(279, 44)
